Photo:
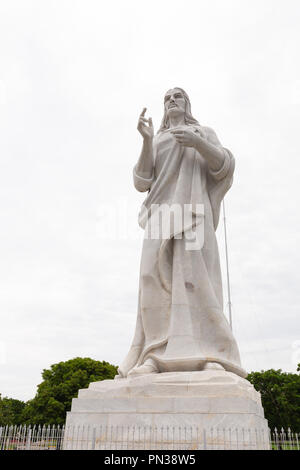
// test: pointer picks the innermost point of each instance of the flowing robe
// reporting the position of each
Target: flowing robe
(180, 321)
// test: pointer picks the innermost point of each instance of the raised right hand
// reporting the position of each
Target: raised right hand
(147, 132)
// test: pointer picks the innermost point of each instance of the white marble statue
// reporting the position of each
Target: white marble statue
(183, 369)
(180, 322)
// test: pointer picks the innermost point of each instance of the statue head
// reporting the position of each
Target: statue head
(177, 102)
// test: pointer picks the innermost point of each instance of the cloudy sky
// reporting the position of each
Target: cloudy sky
(74, 76)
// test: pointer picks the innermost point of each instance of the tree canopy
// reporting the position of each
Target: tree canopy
(61, 383)
(280, 395)
(11, 411)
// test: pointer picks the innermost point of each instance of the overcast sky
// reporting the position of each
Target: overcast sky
(74, 76)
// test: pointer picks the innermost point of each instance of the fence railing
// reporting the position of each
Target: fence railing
(138, 438)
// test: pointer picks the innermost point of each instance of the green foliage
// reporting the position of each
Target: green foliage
(280, 394)
(61, 383)
(11, 411)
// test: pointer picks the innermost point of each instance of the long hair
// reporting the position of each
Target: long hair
(188, 118)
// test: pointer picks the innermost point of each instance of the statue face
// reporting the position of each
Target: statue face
(174, 102)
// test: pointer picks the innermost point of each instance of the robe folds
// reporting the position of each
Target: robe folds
(180, 321)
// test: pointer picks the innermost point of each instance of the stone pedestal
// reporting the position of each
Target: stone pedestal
(174, 410)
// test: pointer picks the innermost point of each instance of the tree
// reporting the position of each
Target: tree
(280, 394)
(11, 411)
(61, 383)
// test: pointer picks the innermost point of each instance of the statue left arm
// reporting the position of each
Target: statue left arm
(205, 143)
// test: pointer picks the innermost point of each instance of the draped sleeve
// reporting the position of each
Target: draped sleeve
(141, 183)
(220, 181)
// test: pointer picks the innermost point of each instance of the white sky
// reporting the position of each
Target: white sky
(74, 76)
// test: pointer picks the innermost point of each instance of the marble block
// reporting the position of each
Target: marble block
(219, 402)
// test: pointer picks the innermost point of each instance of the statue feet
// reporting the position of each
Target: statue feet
(148, 367)
(213, 366)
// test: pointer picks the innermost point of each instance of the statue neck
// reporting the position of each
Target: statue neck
(176, 121)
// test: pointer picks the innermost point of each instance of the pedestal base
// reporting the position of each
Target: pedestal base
(172, 410)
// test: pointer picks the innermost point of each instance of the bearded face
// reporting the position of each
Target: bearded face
(177, 105)
(174, 103)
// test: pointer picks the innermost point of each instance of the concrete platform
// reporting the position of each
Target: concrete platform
(207, 400)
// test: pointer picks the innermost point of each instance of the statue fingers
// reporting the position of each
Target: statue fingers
(141, 126)
(177, 134)
(142, 119)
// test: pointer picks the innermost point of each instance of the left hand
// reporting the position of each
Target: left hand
(187, 137)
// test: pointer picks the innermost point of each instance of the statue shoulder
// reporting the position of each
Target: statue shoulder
(209, 131)
(211, 135)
